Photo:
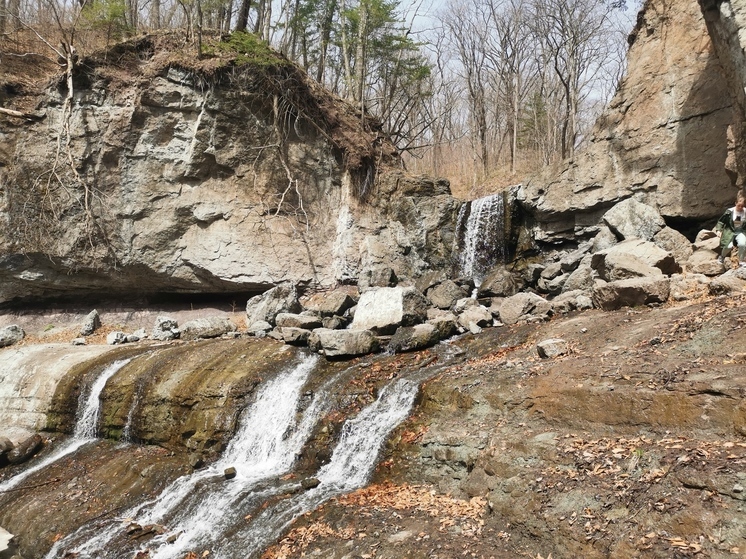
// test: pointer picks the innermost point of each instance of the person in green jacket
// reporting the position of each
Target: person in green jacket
(730, 226)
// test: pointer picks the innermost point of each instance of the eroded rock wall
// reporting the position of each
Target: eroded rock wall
(662, 140)
(725, 23)
(174, 180)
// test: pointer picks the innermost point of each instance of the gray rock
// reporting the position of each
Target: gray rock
(410, 338)
(553, 286)
(165, 329)
(446, 325)
(430, 279)
(705, 262)
(117, 337)
(6, 445)
(689, 286)
(384, 309)
(207, 327)
(476, 315)
(266, 307)
(552, 271)
(379, 276)
(705, 234)
(613, 266)
(584, 302)
(631, 292)
(91, 323)
(291, 320)
(570, 261)
(11, 335)
(646, 251)
(329, 303)
(582, 278)
(342, 343)
(445, 294)
(630, 218)
(259, 328)
(726, 284)
(523, 306)
(707, 243)
(310, 482)
(334, 322)
(25, 449)
(672, 241)
(463, 304)
(554, 347)
(566, 302)
(294, 336)
(605, 238)
(78, 341)
(501, 282)
(229, 473)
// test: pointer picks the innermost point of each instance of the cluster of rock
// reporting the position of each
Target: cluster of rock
(20, 451)
(634, 259)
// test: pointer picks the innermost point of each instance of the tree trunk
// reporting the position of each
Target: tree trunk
(155, 14)
(362, 37)
(243, 15)
(326, 30)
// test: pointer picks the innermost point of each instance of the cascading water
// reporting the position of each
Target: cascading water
(481, 236)
(352, 463)
(86, 424)
(201, 506)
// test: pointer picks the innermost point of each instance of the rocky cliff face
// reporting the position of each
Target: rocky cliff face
(663, 139)
(161, 174)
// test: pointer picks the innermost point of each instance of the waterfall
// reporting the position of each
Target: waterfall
(204, 512)
(351, 465)
(86, 423)
(201, 506)
(481, 236)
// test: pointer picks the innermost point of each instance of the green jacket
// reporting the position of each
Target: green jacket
(729, 229)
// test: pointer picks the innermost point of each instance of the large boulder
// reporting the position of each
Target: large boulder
(475, 318)
(329, 303)
(25, 449)
(631, 292)
(266, 307)
(672, 241)
(207, 327)
(523, 306)
(411, 338)
(445, 294)
(500, 282)
(632, 219)
(581, 279)
(91, 323)
(165, 328)
(705, 262)
(11, 335)
(342, 343)
(645, 251)
(384, 309)
(291, 320)
(614, 266)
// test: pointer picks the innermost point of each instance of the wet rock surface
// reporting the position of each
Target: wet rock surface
(631, 445)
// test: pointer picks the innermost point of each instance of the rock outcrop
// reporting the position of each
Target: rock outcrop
(205, 176)
(663, 138)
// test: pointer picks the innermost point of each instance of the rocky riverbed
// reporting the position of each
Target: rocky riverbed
(630, 445)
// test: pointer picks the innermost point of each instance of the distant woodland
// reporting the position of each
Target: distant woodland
(483, 92)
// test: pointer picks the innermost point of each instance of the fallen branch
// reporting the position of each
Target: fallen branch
(24, 487)
(19, 114)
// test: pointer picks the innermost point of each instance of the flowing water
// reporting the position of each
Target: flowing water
(201, 506)
(352, 463)
(481, 236)
(204, 512)
(86, 424)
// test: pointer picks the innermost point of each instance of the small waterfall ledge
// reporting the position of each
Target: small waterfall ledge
(483, 234)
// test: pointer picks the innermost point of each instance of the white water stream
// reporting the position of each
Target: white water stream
(205, 512)
(86, 424)
(352, 463)
(483, 243)
(200, 507)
